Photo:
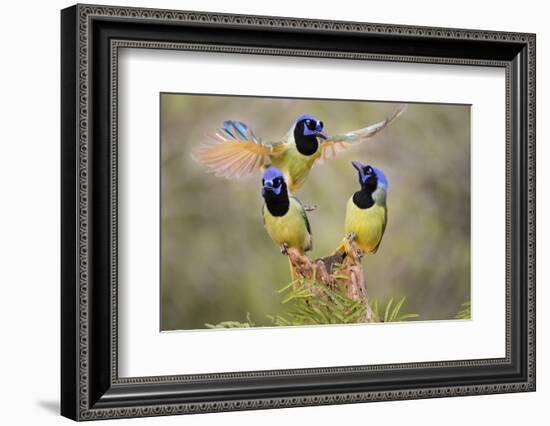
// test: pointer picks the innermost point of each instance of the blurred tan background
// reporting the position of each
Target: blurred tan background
(217, 261)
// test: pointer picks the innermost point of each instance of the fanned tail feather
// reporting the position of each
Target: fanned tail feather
(237, 151)
(239, 131)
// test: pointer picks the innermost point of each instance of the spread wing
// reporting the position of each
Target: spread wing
(338, 143)
(236, 151)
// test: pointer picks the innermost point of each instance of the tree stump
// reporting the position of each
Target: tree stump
(335, 270)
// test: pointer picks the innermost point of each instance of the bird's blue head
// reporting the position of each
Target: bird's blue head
(307, 131)
(370, 178)
(273, 182)
(308, 125)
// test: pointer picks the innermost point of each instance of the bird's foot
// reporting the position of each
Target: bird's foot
(310, 208)
(351, 237)
(284, 249)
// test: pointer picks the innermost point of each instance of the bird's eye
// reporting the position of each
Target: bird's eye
(310, 124)
(321, 124)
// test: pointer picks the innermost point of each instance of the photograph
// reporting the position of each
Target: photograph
(312, 212)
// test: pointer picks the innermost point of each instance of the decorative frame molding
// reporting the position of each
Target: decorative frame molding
(91, 37)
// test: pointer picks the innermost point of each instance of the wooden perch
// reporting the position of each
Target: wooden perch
(333, 271)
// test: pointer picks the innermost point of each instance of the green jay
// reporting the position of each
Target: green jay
(239, 152)
(285, 219)
(366, 212)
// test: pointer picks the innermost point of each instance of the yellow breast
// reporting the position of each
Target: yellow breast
(290, 228)
(367, 225)
(295, 166)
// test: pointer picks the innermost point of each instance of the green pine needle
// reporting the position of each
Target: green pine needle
(466, 312)
(392, 311)
(309, 302)
(233, 324)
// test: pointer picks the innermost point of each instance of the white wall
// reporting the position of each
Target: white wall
(29, 225)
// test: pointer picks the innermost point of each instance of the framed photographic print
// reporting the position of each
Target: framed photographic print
(263, 212)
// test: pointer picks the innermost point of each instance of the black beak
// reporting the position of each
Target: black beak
(358, 166)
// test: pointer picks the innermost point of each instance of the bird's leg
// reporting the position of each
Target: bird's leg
(284, 249)
(310, 208)
(359, 254)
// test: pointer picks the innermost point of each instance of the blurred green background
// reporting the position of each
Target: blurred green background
(217, 261)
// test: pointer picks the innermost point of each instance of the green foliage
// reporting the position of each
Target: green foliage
(233, 324)
(311, 303)
(391, 312)
(465, 313)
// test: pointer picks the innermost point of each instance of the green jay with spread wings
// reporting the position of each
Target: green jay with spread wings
(238, 152)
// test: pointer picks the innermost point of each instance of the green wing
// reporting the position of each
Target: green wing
(338, 143)
(306, 220)
(383, 230)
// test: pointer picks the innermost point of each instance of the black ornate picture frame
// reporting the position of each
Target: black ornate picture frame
(90, 385)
